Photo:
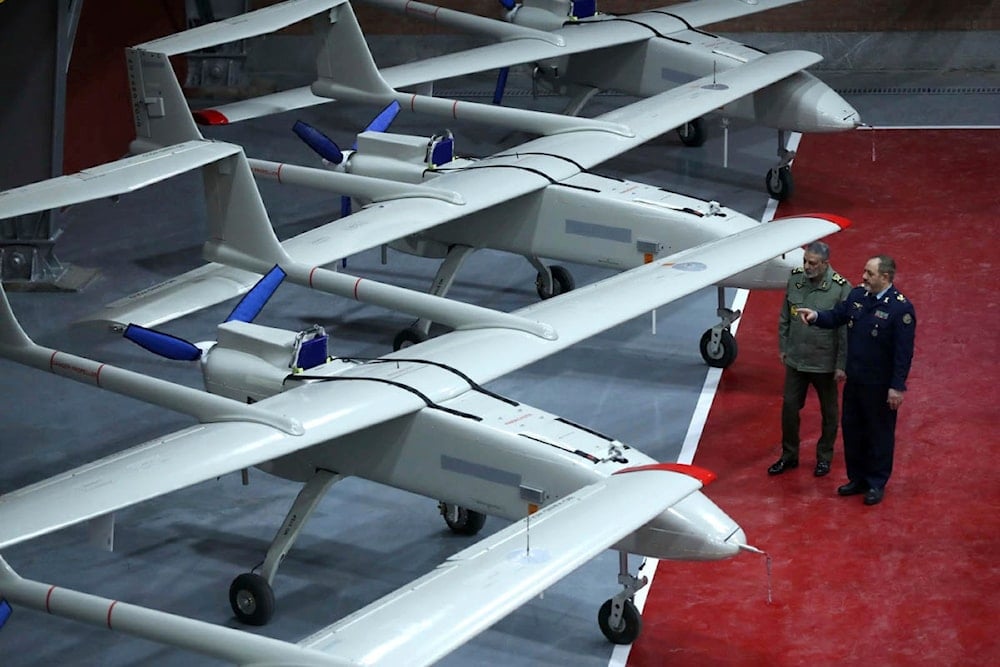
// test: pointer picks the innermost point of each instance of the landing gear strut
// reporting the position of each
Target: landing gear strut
(718, 345)
(251, 595)
(619, 618)
(779, 178)
(420, 330)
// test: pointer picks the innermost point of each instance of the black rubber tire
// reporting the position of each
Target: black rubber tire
(779, 183)
(692, 134)
(562, 282)
(408, 337)
(462, 521)
(725, 356)
(631, 623)
(252, 599)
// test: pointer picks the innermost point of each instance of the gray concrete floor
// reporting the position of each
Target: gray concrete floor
(179, 553)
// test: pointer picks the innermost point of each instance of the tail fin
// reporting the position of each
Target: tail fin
(162, 116)
(159, 108)
(345, 66)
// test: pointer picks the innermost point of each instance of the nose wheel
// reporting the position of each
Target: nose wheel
(552, 280)
(779, 183)
(619, 618)
(461, 520)
(692, 134)
(718, 347)
(620, 622)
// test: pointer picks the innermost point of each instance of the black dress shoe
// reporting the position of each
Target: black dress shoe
(852, 488)
(781, 466)
(822, 468)
(874, 496)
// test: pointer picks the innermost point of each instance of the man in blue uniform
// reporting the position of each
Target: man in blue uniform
(881, 326)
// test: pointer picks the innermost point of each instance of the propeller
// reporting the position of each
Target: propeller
(179, 349)
(501, 85)
(328, 149)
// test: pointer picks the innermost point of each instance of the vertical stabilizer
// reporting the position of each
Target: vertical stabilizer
(239, 230)
(345, 62)
(159, 109)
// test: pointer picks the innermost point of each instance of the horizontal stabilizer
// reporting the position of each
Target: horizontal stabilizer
(244, 26)
(113, 178)
(428, 618)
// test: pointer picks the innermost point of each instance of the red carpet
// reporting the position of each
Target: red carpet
(915, 580)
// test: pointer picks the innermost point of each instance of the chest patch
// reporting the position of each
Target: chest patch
(881, 314)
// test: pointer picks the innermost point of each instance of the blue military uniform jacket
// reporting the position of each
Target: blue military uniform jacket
(880, 334)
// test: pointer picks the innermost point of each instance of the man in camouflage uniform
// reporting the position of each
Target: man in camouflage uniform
(811, 355)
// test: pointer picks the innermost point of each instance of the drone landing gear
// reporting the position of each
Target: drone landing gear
(460, 520)
(251, 594)
(551, 280)
(718, 345)
(619, 618)
(779, 178)
(420, 330)
(692, 134)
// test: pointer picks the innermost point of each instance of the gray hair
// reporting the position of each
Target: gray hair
(886, 264)
(819, 248)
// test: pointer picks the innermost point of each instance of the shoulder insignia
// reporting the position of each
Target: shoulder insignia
(907, 319)
(900, 298)
(797, 269)
(839, 279)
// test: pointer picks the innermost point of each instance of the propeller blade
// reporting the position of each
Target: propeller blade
(384, 119)
(162, 344)
(254, 301)
(501, 85)
(323, 145)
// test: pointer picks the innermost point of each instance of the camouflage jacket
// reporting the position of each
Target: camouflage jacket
(812, 349)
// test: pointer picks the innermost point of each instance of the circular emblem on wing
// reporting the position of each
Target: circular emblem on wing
(690, 266)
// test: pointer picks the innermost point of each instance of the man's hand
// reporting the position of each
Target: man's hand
(839, 375)
(807, 315)
(895, 399)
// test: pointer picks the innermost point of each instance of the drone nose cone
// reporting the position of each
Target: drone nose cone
(835, 114)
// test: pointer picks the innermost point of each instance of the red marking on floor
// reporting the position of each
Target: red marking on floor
(912, 581)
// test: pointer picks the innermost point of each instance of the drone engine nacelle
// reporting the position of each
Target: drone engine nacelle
(251, 362)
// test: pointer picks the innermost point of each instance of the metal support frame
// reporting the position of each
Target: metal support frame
(27, 243)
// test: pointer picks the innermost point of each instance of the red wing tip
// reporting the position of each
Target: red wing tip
(210, 117)
(703, 475)
(838, 220)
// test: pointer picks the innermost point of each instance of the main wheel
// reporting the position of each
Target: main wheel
(252, 599)
(408, 337)
(461, 520)
(779, 183)
(631, 623)
(562, 282)
(724, 355)
(693, 133)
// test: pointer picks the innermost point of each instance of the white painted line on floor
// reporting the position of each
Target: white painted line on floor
(620, 653)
